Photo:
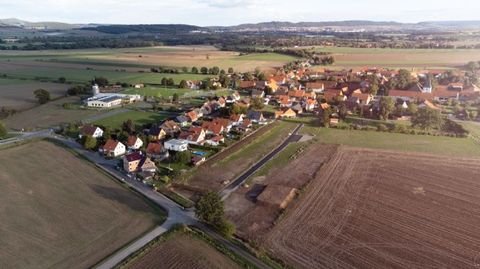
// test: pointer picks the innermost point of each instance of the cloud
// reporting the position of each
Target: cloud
(228, 3)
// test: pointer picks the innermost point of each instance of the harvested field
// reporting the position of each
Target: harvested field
(58, 211)
(255, 218)
(182, 251)
(50, 114)
(383, 209)
(18, 94)
(232, 162)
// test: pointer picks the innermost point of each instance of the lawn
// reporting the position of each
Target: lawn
(59, 211)
(393, 141)
(138, 118)
(182, 93)
(472, 127)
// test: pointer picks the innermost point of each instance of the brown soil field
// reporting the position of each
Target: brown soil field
(383, 209)
(58, 211)
(19, 95)
(182, 251)
(49, 114)
(233, 161)
(254, 219)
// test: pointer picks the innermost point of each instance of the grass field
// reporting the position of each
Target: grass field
(49, 114)
(393, 141)
(414, 58)
(182, 93)
(138, 118)
(58, 211)
(18, 94)
(181, 250)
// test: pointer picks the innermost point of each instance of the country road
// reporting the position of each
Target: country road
(176, 214)
(293, 137)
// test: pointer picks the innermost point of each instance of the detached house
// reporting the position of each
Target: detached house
(285, 113)
(134, 142)
(195, 135)
(170, 127)
(236, 119)
(255, 116)
(113, 148)
(90, 130)
(192, 116)
(156, 150)
(176, 145)
(131, 161)
(156, 133)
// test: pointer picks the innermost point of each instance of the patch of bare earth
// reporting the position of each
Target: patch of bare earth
(381, 209)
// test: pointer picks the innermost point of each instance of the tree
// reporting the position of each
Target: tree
(164, 81)
(184, 157)
(237, 110)
(225, 228)
(404, 79)
(170, 82)
(262, 76)
(194, 70)
(43, 96)
(257, 103)
(325, 117)
(427, 118)
(472, 66)
(128, 126)
(210, 208)
(204, 70)
(215, 70)
(412, 108)
(387, 106)
(230, 70)
(183, 84)
(342, 110)
(185, 69)
(175, 97)
(62, 79)
(89, 142)
(3, 130)
(101, 81)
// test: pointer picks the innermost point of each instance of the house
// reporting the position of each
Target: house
(182, 120)
(285, 113)
(156, 133)
(215, 140)
(131, 161)
(176, 145)
(195, 135)
(170, 127)
(332, 95)
(310, 104)
(213, 128)
(296, 94)
(192, 116)
(91, 130)
(284, 101)
(198, 160)
(226, 123)
(258, 93)
(255, 116)
(236, 119)
(297, 108)
(113, 148)
(358, 98)
(134, 142)
(245, 126)
(156, 150)
(147, 165)
(247, 84)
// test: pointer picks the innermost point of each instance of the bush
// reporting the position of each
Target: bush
(382, 128)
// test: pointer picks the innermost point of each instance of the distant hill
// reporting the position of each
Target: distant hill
(145, 28)
(12, 22)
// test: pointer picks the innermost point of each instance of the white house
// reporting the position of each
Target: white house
(90, 130)
(176, 145)
(114, 148)
(134, 142)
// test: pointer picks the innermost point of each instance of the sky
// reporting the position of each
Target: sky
(234, 12)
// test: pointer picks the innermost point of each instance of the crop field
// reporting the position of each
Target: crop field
(384, 209)
(413, 58)
(18, 94)
(128, 65)
(58, 211)
(182, 251)
(138, 118)
(231, 163)
(50, 114)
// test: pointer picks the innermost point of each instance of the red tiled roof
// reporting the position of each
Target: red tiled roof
(131, 140)
(88, 130)
(111, 145)
(154, 148)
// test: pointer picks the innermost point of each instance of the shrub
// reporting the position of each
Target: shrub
(382, 128)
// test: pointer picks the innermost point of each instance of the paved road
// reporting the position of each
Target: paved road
(22, 136)
(293, 137)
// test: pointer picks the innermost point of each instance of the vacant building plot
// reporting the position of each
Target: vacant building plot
(229, 164)
(137, 117)
(18, 94)
(59, 211)
(255, 209)
(182, 251)
(382, 209)
(50, 114)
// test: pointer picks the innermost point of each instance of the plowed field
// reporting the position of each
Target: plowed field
(380, 209)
